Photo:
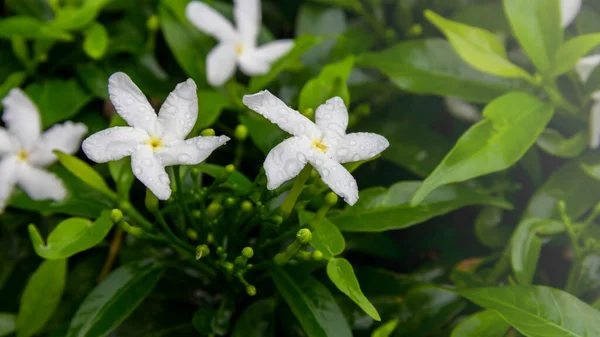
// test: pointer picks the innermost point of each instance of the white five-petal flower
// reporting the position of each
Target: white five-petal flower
(235, 45)
(152, 141)
(25, 151)
(324, 144)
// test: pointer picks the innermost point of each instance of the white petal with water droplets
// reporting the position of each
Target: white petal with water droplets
(220, 64)
(332, 119)
(210, 22)
(247, 18)
(586, 66)
(7, 145)
(8, 178)
(569, 10)
(131, 104)
(40, 184)
(335, 176)
(22, 118)
(288, 119)
(189, 152)
(286, 160)
(179, 112)
(65, 137)
(113, 144)
(358, 146)
(273, 51)
(147, 169)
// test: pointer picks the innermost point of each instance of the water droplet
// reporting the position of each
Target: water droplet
(356, 157)
(129, 101)
(184, 158)
(291, 166)
(164, 178)
(137, 170)
(342, 152)
(301, 157)
(352, 143)
(325, 172)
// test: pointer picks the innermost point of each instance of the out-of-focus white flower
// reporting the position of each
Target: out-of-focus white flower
(152, 141)
(462, 109)
(584, 69)
(324, 144)
(235, 45)
(25, 151)
(569, 10)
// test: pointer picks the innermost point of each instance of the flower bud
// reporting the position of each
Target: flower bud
(213, 209)
(192, 234)
(331, 199)
(415, 30)
(207, 133)
(279, 259)
(228, 266)
(230, 202)
(251, 290)
(229, 169)
(247, 206)
(153, 24)
(248, 252)
(201, 251)
(304, 236)
(277, 219)
(240, 132)
(196, 214)
(317, 255)
(116, 215)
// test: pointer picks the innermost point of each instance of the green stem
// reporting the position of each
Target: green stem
(288, 204)
(170, 235)
(139, 219)
(570, 229)
(559, 100)
(180, 199)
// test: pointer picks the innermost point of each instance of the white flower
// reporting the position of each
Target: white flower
(324, 144)
(584, 69)
(462, 109)
(24, 151)
(569, 10)
(152, 142)
(235, 45)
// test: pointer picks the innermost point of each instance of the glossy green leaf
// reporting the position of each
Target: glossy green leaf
(341, 273)
(78, 17)
(41, 297)
(210, 105)
(14, 80)
(70, 237)
(85, 173)
(57, 99)
(571, 52)
(510, 126)
(257, 320)
(380, 209)
(537, 311)
(484, 323)
(552, 142)
(326, 237)
(115, 298)
(489, 229)
(316, 91)
(8, 323)
(386, 329)
(431, 66)
(312, 304)
(95, 42)
(537, 26)
(526, 246)
(263, 133)
(478, 47)
(488, 15)
(31, 28)
(95, 78)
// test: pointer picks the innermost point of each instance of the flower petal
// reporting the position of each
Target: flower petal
(113, 144)
(6, 142)
(586, 66)
(40, 184)
(210, 22)
(335, 176)
(22, 118)
(8, 171)
(462, 109)
(247, 18)
(358, 146)
(179, 112)
(150, 172)
(131, 104)
(252, 64)
(569, 10)
(286, 160)
(64, 137)
(220, 64)
(332, 119)
(595, 126)
(274, 50)
(189, 152)
(288, 119)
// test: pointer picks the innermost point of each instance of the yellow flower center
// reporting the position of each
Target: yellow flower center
(319, 145)
(239, 49)
(155, 143)
(23, 156)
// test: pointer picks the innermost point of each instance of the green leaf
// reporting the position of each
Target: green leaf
(85, 173)
(30, 28)
(586, 275)
(537, 26)
(95, 42)
(257, 320)
(478, 47)
(553, 143)
(538, 311)
(70, 237)
(353, 5)
(115, 298)
(489, 229)
(244, 185)
(484, 323)
(526, 246)
(94, 77)
(8, 323)
(263, 133)
(210, 105)
(380, 209)
(312, 304)
(77, 18)
(489, 16)
(326, 237)
(41, 297)
(301, 45)
(510, 126)
(340, 272)
(431, 66)
(316, 91)
(386, 329)
(571, 52)
(14, 80)
(57, 99)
